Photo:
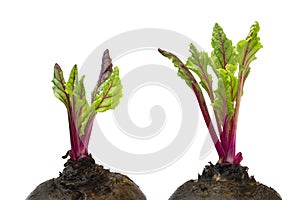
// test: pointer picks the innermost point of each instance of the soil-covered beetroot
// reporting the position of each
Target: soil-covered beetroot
(85, 180)
(224, 182)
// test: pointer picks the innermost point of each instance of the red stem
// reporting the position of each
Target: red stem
(224, 136)
(207, 119)
(234, 121)
(75, 141)
(210, 93)
(78, 150)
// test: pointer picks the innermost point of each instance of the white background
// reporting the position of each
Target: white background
(34, 35)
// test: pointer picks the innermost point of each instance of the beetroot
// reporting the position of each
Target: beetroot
(81, 178)
(231, 66)
(224, 182)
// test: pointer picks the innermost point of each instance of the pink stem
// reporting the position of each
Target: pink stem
(207, 119)
(234, 121)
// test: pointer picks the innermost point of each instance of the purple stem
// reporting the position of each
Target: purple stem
(210, 92)
(234, 120)
(74, 154)
(207, 119)
(78, 149)
(224, 136)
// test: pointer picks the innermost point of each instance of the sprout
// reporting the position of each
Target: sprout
(231, 66)
(81, 115)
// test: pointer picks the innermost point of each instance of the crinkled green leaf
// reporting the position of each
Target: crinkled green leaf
(231, 68)
(248, 48)
(183, 70)
(198, 62)
(226, 92)
(220, 103)
(111, 92)
(223, 51)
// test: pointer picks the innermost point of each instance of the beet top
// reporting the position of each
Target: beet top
(231, 66)
(81, 115)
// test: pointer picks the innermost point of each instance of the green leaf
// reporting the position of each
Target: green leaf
(72, 78)
(231, 68)
(226, 93)
(220, 104)
(59, 85)
(248, 48)
(106, 70)
(183, 70)
(231, 81)
(83, 111)
(111, 92)
(223, 52)
(198, 62)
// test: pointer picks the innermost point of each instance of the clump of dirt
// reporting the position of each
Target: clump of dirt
(224, 182)
(85, 180)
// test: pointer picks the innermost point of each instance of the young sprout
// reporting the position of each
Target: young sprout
(231, 66)
(81, 115)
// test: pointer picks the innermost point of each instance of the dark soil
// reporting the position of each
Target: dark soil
(224, 182)
(85, 180)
